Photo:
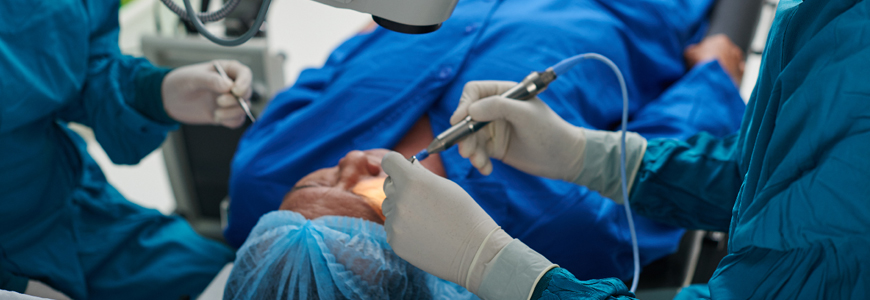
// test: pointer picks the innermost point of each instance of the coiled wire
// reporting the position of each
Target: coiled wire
(189, 14)
(205, 17)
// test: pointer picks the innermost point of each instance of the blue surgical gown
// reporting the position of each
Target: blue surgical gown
(792, 187)
(60, 221)
(375, 86)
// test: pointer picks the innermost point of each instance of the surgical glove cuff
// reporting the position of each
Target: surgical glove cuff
(601, 168)
(514, 273)
(497, 240)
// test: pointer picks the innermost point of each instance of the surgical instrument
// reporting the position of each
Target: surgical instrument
(533, 84)
(242, 102)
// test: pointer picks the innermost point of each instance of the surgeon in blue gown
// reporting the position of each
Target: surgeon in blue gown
(792, 186)
(377, 87)
(61, 223)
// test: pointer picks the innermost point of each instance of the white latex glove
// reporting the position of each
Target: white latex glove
(39, 289)
(531, 137)
(525, 134)
(197, 94)
(435, 225)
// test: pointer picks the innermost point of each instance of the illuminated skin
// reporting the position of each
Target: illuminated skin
(721, 48)
(329, 191)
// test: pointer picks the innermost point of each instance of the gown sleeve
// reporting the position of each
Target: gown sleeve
(691, 184)
(121, 97)
(558, 283)
(690, 172)
(11, 282)
(709, 176)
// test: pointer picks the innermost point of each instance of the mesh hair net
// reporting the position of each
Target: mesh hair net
(289, 257)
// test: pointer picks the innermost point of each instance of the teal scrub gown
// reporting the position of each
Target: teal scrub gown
(792, 187)
(60, 221)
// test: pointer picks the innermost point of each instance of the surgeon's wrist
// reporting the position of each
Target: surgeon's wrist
(513, 273)
(601, 170)
(486, 253)
(148, 99)
(633, 160)
(572, 158)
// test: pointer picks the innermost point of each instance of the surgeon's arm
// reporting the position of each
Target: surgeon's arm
(692, 184)
(120, 99)
(703, 100)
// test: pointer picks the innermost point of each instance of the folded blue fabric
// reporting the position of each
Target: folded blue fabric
(289, 257)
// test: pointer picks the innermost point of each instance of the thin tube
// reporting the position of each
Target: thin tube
(560, 69)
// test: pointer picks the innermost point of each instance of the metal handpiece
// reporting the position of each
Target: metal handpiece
(527, 89)
(242, 102)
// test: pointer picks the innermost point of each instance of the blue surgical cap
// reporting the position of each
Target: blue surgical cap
(289, 257)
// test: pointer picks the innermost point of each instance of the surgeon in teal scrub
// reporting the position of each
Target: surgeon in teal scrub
(792, 186)
(61, 224)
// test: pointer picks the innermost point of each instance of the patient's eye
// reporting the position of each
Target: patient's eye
(299, 187)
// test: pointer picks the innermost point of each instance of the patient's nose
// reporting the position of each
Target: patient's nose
(356, 165)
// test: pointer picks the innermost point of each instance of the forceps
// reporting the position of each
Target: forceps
(242, 102)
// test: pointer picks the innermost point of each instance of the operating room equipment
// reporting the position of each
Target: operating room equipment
(533, 84)
(405, 16)
(241, 101)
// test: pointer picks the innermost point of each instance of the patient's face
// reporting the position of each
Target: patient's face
(336, 191)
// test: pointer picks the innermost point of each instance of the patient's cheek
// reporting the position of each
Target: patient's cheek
(372, 190)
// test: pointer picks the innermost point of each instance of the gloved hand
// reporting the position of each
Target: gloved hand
(435, 225)
(525, 134)
(39, 289)
(197, 94)
(531, 137)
